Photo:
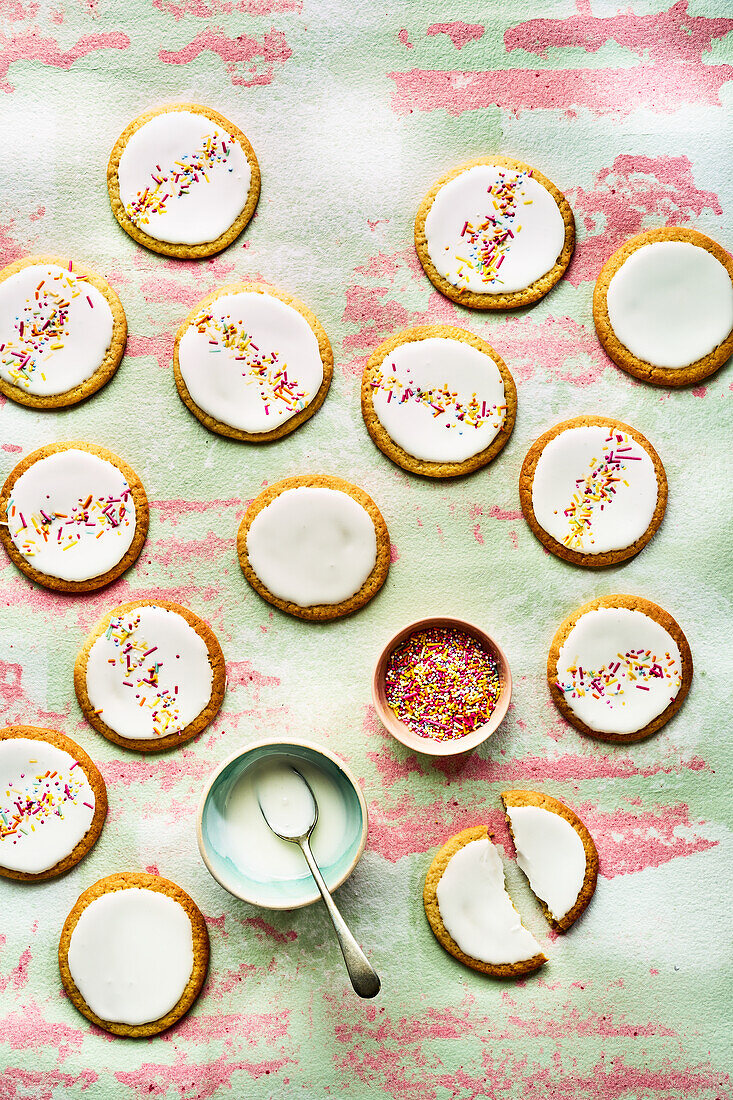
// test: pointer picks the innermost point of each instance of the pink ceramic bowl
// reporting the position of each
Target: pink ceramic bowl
(427, 745)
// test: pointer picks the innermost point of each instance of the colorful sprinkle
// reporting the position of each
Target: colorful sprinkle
(262, 369)
(442, 683)
(487, 242)
(43, 797)
(178, 179)
(636, 668)
(142, 675)
(598, 488)
(441, 400)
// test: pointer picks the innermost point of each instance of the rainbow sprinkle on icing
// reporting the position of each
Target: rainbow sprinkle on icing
(442, 683)
(40, 326)
(634, 669)
(43, 796)
(141, 675)
(598, 488)
(484, 245)
(67, 529)
(177, 180)
(261, 368)
(441, 400)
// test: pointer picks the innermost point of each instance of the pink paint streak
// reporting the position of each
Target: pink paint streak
(171, 511)
(247, 61)
(17, 976)
(628, 842)
(635, 193)
(394, 554)
(32, 47)
(18, 705)
(459, 33)
(403, 827)
(664, 87)
(502, 513)
(671, 35)
(159, 348)
(42, 1084)
(169, 551)
(191, 1080)
(27, 1030)
(206, 9)
(404, 39)
(237, 1027)
(244, 674)
(557, 348)
(268, 931)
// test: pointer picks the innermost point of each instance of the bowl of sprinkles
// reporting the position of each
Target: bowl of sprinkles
(441, 686)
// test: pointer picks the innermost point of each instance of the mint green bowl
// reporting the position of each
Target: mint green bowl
(290, 893)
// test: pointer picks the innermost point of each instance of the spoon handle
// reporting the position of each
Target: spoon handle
(364, 978)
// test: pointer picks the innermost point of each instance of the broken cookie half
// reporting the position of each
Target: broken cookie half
(471, 913)
(556, 853)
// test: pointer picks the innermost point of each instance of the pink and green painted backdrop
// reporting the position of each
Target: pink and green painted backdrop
(354, 110)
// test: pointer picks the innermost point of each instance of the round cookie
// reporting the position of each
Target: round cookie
(619, 667)
(556, 853)
(62, 332)
(663, 306)
(53, 803)
(494, 233)
(593, 490)
(252, 363)
(73, 516)
(483, 903)
(183, 180)
(438, 400)
(133, 954)
(150, 676)
(320, 552)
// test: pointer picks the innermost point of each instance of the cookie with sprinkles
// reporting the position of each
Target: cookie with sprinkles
(150, 676)
(593, 490)
(252, 363)
(73, 516)
(134, 953)
(314, 546)
(494, 233)
(183, 180)
(62, 332)
(619, 668)
(53, 802)
(438, 400)
(663, 306)
(470, 912)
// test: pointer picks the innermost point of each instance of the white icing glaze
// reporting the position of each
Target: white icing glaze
(514, 226)
(595, 489)
(251, 361)
(247, 840)
(286, 803)
(204, 178)
(53, 527)
(608, 679)
(671, 303)
(131, 955)
(477, 911)
(551, 854)
(423, 376)
(55, 329)
(43, 816)
(149, 675)
(312, 545)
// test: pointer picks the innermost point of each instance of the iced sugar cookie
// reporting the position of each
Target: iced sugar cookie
(53, 803)
(663, 306)
(150, 676)
(252, 363)
(471, 913)
(73, 516)
(494, 234)
(593, 490)
(316, 547)
(62, 332)
(619, 668)
(438, 400)
(133, 954)
(183, 180)
(556, 853)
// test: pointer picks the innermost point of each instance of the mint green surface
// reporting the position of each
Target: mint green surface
(628, 111)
